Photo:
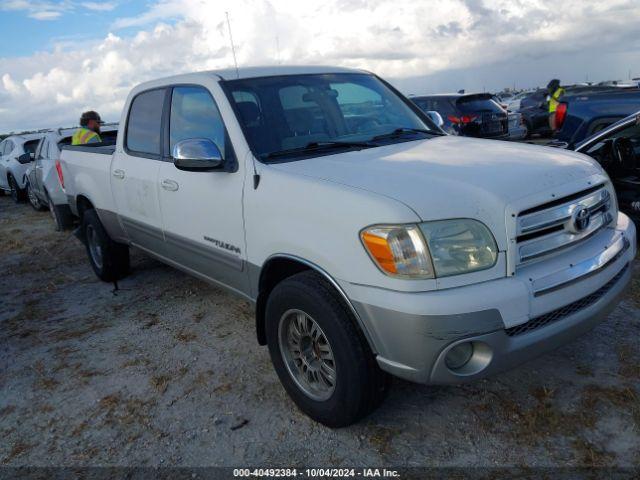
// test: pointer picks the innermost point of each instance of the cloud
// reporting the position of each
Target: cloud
(45, 15)
(100, 6)
(38, 10)
(422, 46)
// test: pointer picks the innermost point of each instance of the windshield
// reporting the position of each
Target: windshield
(295, 116)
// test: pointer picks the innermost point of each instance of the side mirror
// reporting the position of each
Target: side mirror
(197, 155)
(24, 158)
(435, 118)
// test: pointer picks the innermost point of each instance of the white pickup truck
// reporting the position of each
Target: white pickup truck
(369, 241)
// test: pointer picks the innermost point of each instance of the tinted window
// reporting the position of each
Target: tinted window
(30, 146)
(473, 105)
(194, 114)
(440, 105)
(143, 127)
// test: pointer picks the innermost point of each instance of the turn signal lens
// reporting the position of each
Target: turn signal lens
(399, 251)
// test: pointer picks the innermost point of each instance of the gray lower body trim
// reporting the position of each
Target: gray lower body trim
(414, 346)
(210, 264)
(240, 292)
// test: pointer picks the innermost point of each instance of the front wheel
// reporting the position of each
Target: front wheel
(34, 201)
(109, 260)
(319, 352)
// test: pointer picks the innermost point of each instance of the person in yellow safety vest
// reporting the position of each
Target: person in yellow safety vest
(89, 131)
(555, 91)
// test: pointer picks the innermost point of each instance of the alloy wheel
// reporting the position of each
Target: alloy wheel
(307, 354)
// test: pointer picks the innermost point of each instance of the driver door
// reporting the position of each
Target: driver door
(202, 215)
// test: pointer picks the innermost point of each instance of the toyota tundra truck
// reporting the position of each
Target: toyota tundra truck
(369, 242)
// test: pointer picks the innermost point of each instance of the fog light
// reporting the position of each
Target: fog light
(459, 356)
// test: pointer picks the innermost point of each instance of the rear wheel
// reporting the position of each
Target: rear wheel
(33, 198)
(109, 260)
(320, 354)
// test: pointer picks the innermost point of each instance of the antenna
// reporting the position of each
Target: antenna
(233, 48)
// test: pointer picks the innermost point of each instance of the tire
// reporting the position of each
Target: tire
(17, 194)
(357, 385)
(109, 260)
(527, 133)
(34, 201)
(61, 215)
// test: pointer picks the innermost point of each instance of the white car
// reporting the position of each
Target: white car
(16, 152)
(369, 241)
(42, 180)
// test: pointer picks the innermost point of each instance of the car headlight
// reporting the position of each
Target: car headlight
(399, 251)
(431, 249)
(459, 246)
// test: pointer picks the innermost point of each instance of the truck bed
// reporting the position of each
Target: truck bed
(86, 172)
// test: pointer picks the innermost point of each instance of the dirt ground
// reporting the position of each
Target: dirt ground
(167, 372)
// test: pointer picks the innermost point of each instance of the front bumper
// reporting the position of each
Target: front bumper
(542, 307)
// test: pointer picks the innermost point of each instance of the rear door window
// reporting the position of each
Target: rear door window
(144, 125)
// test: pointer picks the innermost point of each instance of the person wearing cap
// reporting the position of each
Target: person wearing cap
(89, 131)
(554, 92)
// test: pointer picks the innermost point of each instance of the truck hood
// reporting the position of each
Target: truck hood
(452, 177)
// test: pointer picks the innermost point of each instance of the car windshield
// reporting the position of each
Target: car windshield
(296, 116)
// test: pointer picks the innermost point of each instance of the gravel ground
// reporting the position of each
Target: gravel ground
(168, 372)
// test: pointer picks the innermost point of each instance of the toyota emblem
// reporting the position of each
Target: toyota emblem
(580, 219)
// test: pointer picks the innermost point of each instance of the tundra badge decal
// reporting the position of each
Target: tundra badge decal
(223, 245)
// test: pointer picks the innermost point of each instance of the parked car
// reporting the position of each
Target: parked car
(513, 103)
(370, 242)
(593, 104)
(517, 127)
(580, 115)
(617, 149)
(42, 183)
(16, 152)
(469, 115)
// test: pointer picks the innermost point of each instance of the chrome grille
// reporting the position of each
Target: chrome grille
(558, 224)
(563, 312)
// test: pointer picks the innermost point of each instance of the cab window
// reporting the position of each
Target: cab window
(143, 127)
(194, 114)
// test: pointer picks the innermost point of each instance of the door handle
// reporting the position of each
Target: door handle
(170, 185)
(118, 173)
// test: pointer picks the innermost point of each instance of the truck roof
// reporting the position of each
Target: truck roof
(252, 72)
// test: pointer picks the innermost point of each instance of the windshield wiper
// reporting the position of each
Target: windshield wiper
(401, 132)
(319, 146)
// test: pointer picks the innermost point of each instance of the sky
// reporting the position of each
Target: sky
(59, 58)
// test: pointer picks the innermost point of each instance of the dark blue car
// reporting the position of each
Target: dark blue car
(581, 115)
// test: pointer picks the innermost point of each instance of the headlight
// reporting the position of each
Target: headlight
(459, 246)
(431, 249)
(399, 251)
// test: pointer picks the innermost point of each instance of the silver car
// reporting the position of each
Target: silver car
(42, 182)
(16, 152)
